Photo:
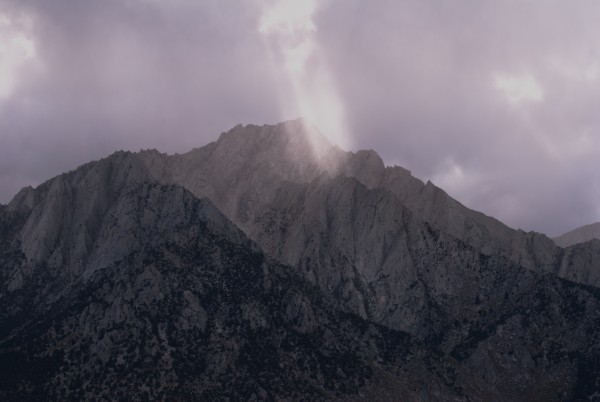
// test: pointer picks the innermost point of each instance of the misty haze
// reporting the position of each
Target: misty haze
(402, 202)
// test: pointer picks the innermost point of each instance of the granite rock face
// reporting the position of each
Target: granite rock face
(270, 265)
(245, 169)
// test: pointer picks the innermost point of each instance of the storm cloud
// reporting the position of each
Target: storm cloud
(496, 102)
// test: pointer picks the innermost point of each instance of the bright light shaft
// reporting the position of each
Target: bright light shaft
(289, 31)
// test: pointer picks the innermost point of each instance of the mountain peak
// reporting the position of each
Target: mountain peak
(299, 134)
(366, 166)
(294, 149)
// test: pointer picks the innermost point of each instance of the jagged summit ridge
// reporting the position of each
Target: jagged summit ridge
(244, 170)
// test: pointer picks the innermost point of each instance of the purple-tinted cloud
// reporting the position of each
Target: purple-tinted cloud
(494, 101)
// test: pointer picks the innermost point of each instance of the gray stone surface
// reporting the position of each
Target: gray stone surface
(249, 166)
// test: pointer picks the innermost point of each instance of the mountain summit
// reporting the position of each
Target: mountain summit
(250, 166)
(272, 265)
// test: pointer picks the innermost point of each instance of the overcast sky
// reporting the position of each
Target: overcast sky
(497, 102)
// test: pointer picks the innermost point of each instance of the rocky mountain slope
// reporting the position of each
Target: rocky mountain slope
(119, 287)
(245, 169)
(196, 315)
(579, 235)
(119, 281)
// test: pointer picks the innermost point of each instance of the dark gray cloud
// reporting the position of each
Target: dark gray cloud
(496, 102)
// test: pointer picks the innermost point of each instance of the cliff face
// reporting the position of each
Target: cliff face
(347, 280)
